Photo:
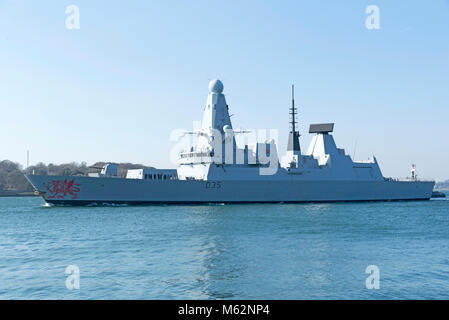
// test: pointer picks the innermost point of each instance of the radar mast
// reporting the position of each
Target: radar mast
(293, 138)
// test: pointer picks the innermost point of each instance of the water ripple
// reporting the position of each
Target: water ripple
(284, 251)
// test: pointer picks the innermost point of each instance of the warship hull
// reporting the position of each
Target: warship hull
(79, 190)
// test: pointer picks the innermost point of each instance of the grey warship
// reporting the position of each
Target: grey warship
(216, 170)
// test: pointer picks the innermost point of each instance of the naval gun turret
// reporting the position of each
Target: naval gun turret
(107, 170)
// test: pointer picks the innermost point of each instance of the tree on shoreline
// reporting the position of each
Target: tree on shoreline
(12, 179)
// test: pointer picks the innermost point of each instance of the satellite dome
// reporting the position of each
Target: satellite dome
(216, 86)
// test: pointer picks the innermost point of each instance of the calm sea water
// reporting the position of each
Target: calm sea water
(303, 251)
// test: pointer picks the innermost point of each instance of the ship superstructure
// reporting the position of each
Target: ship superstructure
(216, 169)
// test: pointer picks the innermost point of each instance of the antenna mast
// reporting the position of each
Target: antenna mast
(293, 110)
(293, 137)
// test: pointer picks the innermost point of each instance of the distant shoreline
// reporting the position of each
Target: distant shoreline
(14, 195)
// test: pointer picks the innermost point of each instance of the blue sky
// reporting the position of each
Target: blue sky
(115, 89)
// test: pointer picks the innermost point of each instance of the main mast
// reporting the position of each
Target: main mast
(293, 110)
(293, 138)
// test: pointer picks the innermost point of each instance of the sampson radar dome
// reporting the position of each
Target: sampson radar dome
(216, 86)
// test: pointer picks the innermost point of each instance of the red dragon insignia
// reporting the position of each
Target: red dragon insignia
(59, 189)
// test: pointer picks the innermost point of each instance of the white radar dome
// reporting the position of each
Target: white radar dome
(216, 86)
